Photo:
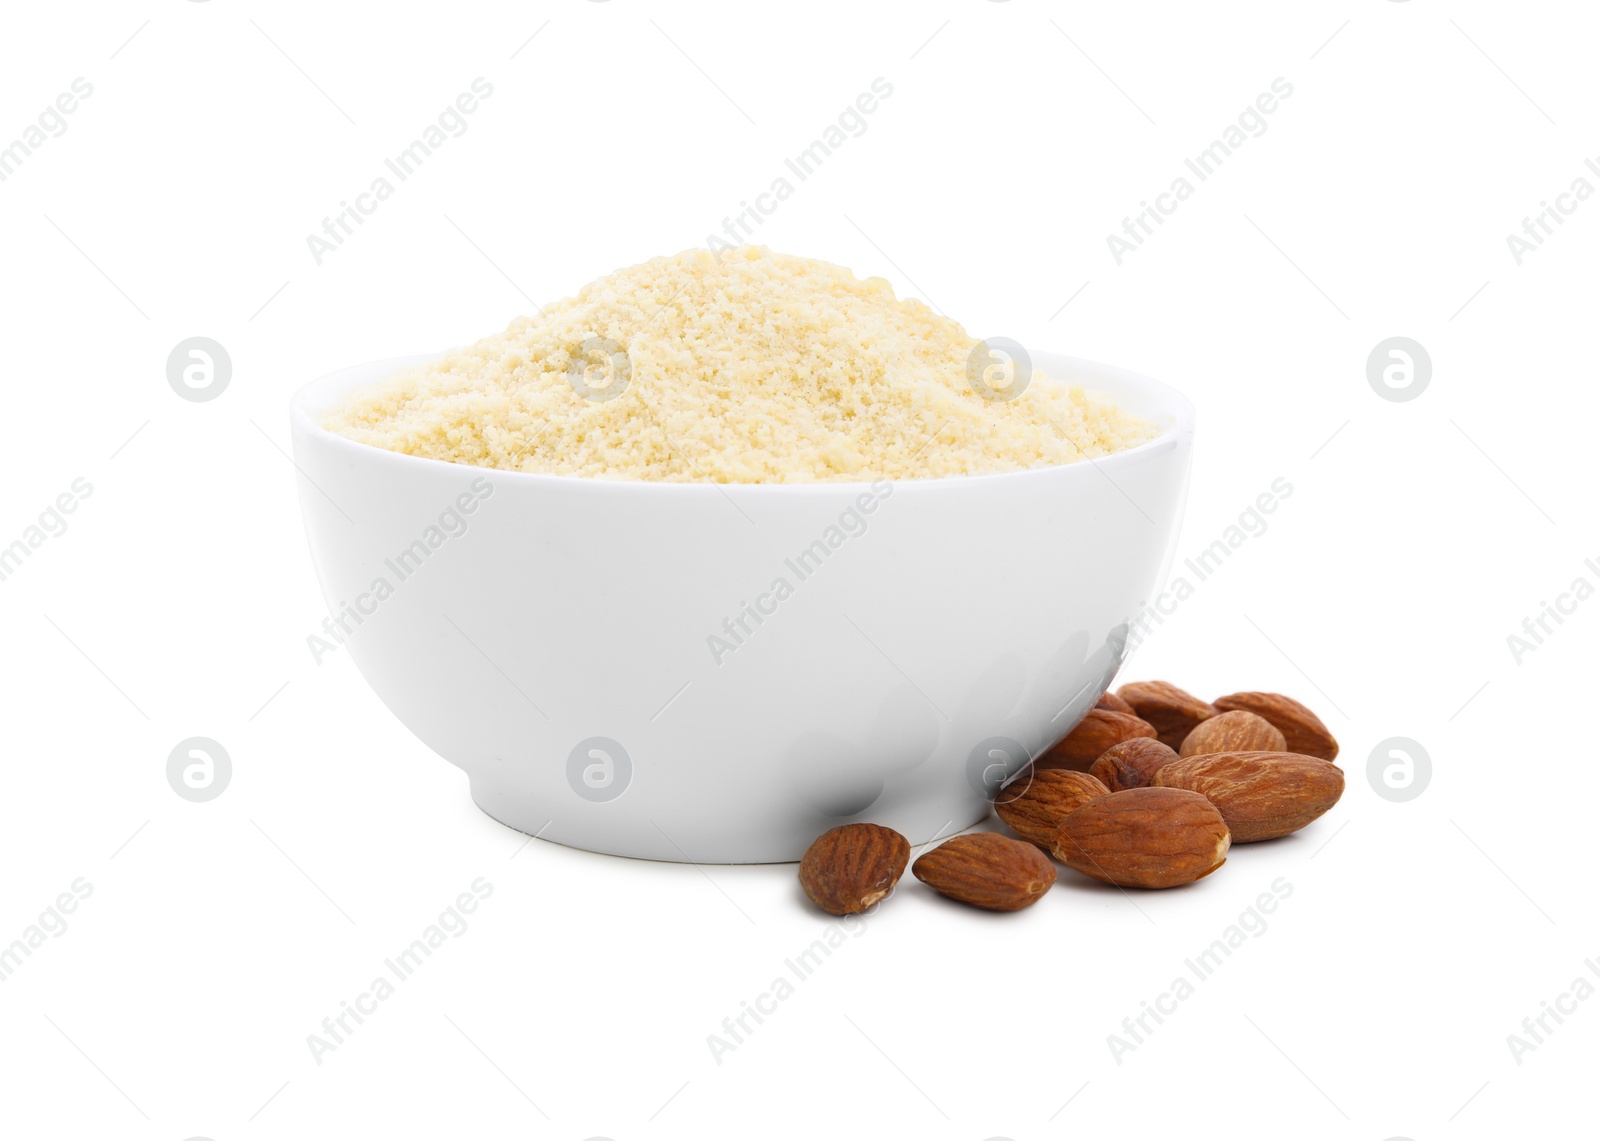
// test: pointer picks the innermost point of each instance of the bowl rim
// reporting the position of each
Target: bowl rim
(1168, 402)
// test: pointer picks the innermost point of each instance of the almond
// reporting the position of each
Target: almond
(849, 868)
(1131, 764)
(1233, 732)
(1034, 805)
(1262, 795)
(1114, 703)
(1097, 732)
(1303, 731)
(1173, 712)
(987, 870)
(1145, 837)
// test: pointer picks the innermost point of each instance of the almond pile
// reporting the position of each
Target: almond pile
(1149, 790)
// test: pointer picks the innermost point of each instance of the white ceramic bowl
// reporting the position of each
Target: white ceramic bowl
(575, 644)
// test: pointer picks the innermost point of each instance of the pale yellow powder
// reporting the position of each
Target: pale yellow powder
(742, 367)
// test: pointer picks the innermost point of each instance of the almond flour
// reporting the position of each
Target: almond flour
(746, 366)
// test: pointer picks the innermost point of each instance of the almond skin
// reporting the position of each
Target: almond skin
(1034, 805)
(1303, 731)
(1262, 795)
(1131, 764)
(1172, 711)
(987, 870)
(848, 869)
(1145, 837)
(1097, 732)
(1236, 731)
(1114, 703)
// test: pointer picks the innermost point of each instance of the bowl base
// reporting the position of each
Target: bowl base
(761, 849)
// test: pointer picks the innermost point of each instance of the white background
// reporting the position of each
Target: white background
(1019, 135)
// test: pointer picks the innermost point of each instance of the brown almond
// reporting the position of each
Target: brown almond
(1097, 732)
(1233, 732)
(1262, 795)
(849, 868)
(1131, 764)
(1114, 703)
(1303, 731)
(1145, 837)
(1034, 805)
(987, 870)
(1172, 711)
